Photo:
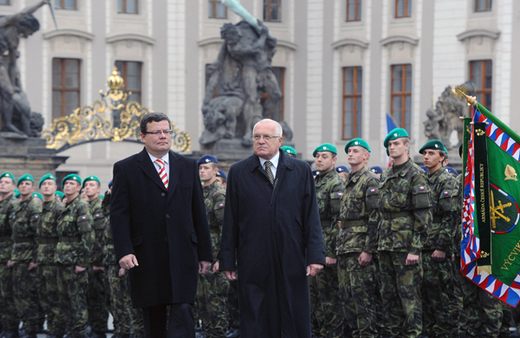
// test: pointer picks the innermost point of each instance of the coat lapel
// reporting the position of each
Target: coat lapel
(146, 165)
(175, 170)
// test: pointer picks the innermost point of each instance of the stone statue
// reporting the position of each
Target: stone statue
(15, 110)
(240, 76)
(444, 119)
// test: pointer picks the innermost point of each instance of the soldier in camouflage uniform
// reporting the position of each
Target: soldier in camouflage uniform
(405, 204)
(73, 255)
(325, 300)
(97, 294)
(23, 256)
(440, 310)
(213, 287)
(47, 238)
(8, 205)
(357, 242)
(125, 315)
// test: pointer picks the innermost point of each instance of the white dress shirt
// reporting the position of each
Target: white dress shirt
(165, 159)
(274, 161)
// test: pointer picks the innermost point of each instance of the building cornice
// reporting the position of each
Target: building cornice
(130, 36)
(479, 32)
(350, 42)
(68, 32)
(399, 38)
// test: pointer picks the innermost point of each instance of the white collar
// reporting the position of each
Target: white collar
(165, 158)
(274, 160)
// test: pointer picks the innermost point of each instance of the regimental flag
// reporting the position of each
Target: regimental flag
(490, 246)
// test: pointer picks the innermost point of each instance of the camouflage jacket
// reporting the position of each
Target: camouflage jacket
(76, 234)
(441, 229)
(109, 255)
(405, 206)
(47, 231)
(7, 208)
(456, 209)
(359, 213)
(99, 226)
(214, 199)
(329, 190)
(24, 231)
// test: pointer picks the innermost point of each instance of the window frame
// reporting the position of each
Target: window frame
(124, 74)
(64, 89)
(488, 7)
(356, 95)
(123, 10)
(62, 5)
(358, 9)
(402, 95)
(484, 90)
(406, 14)
(214, 10)
(267, 11)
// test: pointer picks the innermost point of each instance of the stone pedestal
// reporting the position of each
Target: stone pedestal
(21, 155)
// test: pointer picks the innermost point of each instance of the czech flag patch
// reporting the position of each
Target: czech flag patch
(421, 188)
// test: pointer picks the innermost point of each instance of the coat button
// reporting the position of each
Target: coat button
(163, 194)
(167, 215)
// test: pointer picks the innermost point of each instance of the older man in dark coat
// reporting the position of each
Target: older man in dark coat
(160, 230)
(272, 230)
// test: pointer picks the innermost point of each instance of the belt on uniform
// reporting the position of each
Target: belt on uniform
(325, 223)
(49, 240)
(5, 238)
(350, 223)
(24, 239)
(70, 239)
(437, 218)
(392, 215)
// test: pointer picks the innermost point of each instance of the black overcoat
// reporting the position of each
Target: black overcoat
(166, 229)
(273, 232)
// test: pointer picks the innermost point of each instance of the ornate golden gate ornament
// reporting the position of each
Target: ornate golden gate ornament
(109, 119)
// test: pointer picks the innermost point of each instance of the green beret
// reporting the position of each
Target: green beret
(72, 177)
(325, 147)
(394, 135)
(91, 178)
(60, 194)
(289, 150)
(7, 174)
(26, 177)
(357, 142)
(37, 195)
(433, 144)
(46, 177)
(16, 193)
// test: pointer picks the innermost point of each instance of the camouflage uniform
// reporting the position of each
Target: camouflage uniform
(440, 315)
(24, 252)
(359, 218)
(73, 249)
(482, 312)
(125, 315)
(47, 238)
(213, 287)
(97, 297)
(10, 321)
(405, 204)
(325, 300)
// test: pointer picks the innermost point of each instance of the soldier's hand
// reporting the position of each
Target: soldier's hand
(453, 257)
(365, 258)
(121, 272)
(412, 259)
(313, 269)
(79, 269)
(128, 261)
(230, 275)
(204, 267)
(9, 264)
(438, 255)
(99, 268)
(32, 265)
(215, 267)
(330, 261)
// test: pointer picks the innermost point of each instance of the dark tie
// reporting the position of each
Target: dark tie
(268, 171)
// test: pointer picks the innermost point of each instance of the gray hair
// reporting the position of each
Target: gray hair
(278, 130)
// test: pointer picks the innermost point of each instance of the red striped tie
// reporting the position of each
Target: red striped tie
(162, 172)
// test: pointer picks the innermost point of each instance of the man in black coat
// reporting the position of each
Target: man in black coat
(160, 230)
(272, 230)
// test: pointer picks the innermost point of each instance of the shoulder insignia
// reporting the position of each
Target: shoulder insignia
(445, 193)
(221, 205)
(372, 191)
(83, 218)
(421, 188)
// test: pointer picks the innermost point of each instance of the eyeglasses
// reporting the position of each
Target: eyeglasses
(158, 132)
(257, 137)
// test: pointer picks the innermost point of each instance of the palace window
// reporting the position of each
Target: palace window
(65, 86)
(216, 9)
(483, 5)
(131, 71)
(403, 8)
(127, 6)
(354, 10)
(401, 96)
(5, 2)
(481, 73)
(272, 10)
(65, 4)
(352, 102)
